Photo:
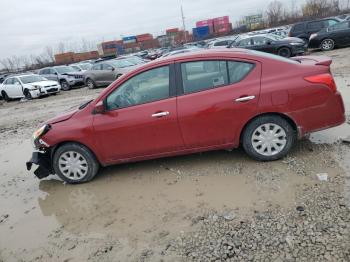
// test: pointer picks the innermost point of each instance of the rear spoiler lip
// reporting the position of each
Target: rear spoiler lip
(319, 60)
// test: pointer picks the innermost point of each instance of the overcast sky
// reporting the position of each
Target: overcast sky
(27, 26)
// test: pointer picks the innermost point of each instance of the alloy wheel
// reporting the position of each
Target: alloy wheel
(327, 44)
(269, 139)
(73, 165)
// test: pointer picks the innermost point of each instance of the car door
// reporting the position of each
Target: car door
(141, 117)
(8, 87)
(17, 88)
(95, 73)
(263, 44)
(107, 74)
(216, 100)
(340, 33)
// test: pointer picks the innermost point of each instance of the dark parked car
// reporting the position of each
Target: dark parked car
(304, 30)
(337, 35)
(274, 44)
(195, 102)
(105, 73)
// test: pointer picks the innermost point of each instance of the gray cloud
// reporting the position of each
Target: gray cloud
(28, 26)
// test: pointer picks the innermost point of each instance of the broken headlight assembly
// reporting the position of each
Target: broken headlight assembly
(38, 134)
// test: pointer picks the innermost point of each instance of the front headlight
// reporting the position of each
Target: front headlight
(34, 87)
(40, 132)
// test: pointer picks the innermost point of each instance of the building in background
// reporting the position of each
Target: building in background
(254, 21)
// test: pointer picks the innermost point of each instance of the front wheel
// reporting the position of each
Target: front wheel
(285, 52)
(90, 84)
(327, 45)
(75, 163)
(64, 85)
(27, 94)
(268, 138)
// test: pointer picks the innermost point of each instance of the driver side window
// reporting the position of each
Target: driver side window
(149, 86)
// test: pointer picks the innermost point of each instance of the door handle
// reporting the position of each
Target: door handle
(245, 98)
(161, 114)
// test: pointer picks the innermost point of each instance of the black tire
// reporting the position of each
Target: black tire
(91, 163)
(285, 52)
(90, 83)
(27, 94)
(252, 127)
(64, 85)
(327, 44)
(5, 96)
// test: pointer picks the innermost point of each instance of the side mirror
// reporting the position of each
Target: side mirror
(56, 73)
(99, 108)
(269, 42)
(112, 69)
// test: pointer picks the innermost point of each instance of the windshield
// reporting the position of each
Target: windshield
(85, 66)
(121, 63)
(32, 79)
(65, 69)
(135, 60)
(275, 37)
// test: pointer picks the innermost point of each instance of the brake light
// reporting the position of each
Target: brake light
(326, 79)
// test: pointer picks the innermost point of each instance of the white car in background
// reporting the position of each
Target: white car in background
(28, 86)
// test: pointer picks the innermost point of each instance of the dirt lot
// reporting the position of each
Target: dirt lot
(204, 207)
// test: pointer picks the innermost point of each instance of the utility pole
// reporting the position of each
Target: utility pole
(183, 23)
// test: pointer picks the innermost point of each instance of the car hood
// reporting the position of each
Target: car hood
(63, 117)
(43, 83)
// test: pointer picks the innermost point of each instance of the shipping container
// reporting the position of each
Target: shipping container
(221, 20)
(144, 37)
(200, 33)
(208, 22)
(223, 28)
(127, 38)
(172, 31)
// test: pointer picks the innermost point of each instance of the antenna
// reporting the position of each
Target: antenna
(183, 23)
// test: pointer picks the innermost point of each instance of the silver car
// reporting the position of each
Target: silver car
(106, 72)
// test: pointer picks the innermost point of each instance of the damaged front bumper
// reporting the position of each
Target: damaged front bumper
(43, 161)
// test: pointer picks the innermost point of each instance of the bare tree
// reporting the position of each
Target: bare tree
(61, 48)
(49, 53)
(274, 13)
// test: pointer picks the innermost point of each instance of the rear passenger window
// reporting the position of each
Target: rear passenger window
(96, 67)
(203, 75)
(315, 25)
(238, 70)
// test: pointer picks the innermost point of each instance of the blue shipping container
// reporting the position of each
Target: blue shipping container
(200, 33)
(128, 38)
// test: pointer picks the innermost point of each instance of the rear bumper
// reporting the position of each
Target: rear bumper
(315, 119)
(43, 161)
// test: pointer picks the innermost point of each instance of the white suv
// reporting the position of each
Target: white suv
(28, 86)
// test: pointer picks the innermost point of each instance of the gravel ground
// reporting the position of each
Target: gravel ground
(215, 206)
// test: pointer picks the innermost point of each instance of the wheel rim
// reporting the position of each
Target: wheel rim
(269, 139)
(73, 165)
(327, 44)
(64, 85)
(284, 52)
(90, 84)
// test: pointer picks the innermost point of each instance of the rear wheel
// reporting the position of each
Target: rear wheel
(90, 84)
(5, 96)
(327, 45)
(75, 163)
(268, 138)
(64, 85)
(285, 52)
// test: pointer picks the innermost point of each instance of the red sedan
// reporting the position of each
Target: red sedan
(200, 101)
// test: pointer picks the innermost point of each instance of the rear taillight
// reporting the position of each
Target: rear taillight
(326, 79)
